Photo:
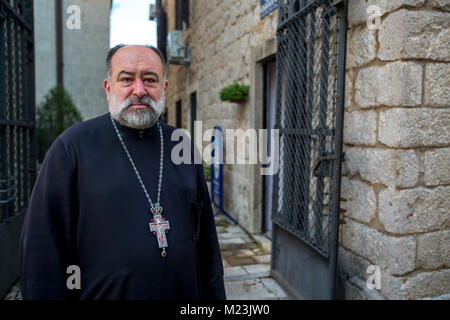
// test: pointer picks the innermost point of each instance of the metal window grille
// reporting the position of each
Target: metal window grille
(309, 81)
(16, 106)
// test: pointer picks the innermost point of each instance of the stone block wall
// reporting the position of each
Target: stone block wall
(396, 177)
(396, 188)
(221, 37)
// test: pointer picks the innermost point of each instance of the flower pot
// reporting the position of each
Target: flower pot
(237, 100)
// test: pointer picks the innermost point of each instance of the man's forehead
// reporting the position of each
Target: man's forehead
(136, 57)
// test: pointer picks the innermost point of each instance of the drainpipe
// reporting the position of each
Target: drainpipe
(59, 42)
(59, 59)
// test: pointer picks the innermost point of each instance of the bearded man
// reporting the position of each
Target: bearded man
(109, 202)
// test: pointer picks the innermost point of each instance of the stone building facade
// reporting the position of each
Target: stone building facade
(84, 52)
(227, 40)
(395, 186)
(397, 155)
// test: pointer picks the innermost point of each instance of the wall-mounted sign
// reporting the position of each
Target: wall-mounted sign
(267, 6)
(217, 173)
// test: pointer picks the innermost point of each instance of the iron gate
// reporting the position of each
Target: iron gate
(16, 129)
(310, 102)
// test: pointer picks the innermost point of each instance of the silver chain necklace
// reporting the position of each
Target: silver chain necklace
(159, 226)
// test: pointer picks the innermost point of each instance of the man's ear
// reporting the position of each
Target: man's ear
(106, 87)
(165, 85)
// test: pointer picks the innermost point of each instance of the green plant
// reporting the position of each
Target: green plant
(236, 92)
(207, 171)
(55, 114)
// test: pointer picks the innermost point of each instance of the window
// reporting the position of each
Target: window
(193, 111)
(161, 28)
(178, 113)
(181, 14)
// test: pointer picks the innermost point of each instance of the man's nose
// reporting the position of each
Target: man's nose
(139, 89)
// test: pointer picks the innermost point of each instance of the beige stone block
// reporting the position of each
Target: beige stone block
(352, 292)
(426, 284)
(420, 285)
(415, 34)
(437, 89)
(414, 210)
(389, 167)
(436, 167)
(358, 290)
(348, 92)
(402, 127)
(407, 169)
(357, 9)
(397, 255)
(433, 250)
(351, 264)
(361, 203)
(401, 254)
(361, 47)
(441, 297)
(360, 128)
(391, 286)
(441, 4)
(395, 84)
(373, 165)
(363, 241)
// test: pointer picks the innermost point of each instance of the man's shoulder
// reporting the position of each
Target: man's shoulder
(170, 129)
(167, 127)
(85, 129)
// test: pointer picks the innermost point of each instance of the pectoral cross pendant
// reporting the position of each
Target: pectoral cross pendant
(159, 226)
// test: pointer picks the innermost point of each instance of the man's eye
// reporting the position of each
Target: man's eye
(126, 79)
(149, 80)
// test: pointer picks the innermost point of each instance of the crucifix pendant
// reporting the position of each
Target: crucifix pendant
(159, 226)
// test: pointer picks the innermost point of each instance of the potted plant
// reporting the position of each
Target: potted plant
(207, 171)
(236, 93)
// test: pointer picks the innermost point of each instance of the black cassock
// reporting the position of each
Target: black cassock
(88, 209)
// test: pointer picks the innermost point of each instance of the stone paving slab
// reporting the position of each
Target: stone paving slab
(257, 268)
(247, 276)
(234, 271)
(265, 259)
(275, 288)
(14, 293)
(253, 289)
(246, 261)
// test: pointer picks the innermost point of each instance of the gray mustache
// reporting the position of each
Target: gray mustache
(143, 100)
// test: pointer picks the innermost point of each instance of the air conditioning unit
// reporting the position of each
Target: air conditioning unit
(176, 50)
(153, 12)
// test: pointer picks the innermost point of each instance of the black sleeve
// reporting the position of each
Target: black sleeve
(210, 260)
(46, 242)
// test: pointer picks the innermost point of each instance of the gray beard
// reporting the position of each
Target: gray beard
(139, 118)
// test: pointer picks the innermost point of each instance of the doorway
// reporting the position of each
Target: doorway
(269, 105)
(178, 113)
(310, 108)
(193, 103)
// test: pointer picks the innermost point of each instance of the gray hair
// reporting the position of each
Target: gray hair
(113, 50)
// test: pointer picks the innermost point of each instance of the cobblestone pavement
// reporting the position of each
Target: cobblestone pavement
(246, 261)
(14, 293)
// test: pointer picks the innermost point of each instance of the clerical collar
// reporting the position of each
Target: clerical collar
(137, 133)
